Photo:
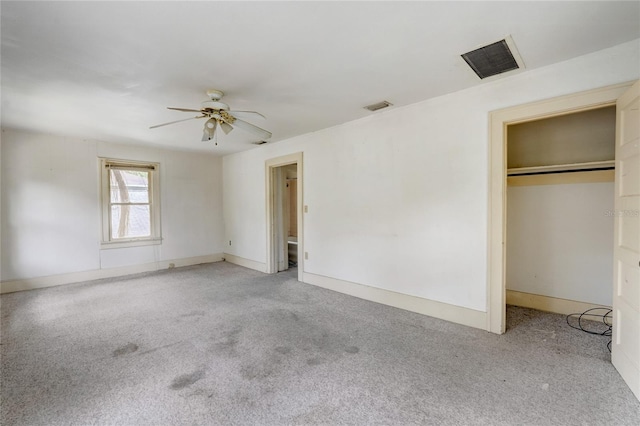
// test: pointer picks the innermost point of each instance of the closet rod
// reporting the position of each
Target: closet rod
(562, 168)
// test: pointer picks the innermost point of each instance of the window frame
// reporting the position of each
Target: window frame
(155, 237)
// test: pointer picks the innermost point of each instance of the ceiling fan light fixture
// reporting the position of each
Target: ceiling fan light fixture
(226, 127)
(210, 125)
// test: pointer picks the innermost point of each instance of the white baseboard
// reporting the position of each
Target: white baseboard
(445, 311)
(247, 263)
(548, 303)
(75, 277)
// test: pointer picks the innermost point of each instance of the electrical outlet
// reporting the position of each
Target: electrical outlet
(306, 255)
(229, 242)
(306, 209)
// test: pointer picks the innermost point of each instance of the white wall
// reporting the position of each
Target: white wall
(51, 206)
(1, 222)
(560, 241)
(399, 200)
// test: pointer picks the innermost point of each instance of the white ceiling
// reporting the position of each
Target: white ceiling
(108, 70)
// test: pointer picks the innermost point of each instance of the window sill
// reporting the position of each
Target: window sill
(107, 245)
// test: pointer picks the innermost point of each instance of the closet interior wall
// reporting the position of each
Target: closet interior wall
(560, 193)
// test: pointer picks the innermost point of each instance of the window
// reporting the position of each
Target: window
(130, 203)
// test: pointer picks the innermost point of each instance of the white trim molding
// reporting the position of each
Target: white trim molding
(247, 263)
(76, 277)
(445, 311)
(548, 303)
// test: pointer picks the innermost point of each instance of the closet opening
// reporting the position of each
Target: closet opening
(625, 98)
(559, 212)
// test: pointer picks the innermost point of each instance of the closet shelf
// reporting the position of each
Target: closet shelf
(559, 168)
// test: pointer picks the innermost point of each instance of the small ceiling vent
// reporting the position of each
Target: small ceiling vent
(492, 59)
(379, 105)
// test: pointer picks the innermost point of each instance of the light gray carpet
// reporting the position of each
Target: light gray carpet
(220, 344)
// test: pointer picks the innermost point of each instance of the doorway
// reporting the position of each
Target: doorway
(625, 349)
(560, 186)
(500, 120)
(284, 214)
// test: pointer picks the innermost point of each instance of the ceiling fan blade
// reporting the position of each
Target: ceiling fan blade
(177, 121)
(185, 109)
(226, 127)
(263, 134)
(246, 114)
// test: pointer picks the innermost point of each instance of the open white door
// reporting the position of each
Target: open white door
(625, 348)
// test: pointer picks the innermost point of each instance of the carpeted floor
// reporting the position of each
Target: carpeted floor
(220, 344)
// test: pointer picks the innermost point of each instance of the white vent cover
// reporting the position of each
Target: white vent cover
(379, 105)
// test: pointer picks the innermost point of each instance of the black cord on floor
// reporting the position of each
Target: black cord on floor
(589, 314)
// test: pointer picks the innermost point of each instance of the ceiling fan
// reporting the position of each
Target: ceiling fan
(218, 114)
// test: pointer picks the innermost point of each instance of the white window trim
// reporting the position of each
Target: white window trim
(154, 205)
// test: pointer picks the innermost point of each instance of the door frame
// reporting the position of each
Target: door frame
(498, 122)
(270, 169)
(626, 312)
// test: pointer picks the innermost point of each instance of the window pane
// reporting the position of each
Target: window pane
(129, 186)
(130, 222)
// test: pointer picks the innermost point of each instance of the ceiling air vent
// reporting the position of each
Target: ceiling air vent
(379, 105)
(493, 59)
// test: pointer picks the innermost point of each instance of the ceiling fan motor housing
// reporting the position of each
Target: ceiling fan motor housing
(215, 105)
(214, 94)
